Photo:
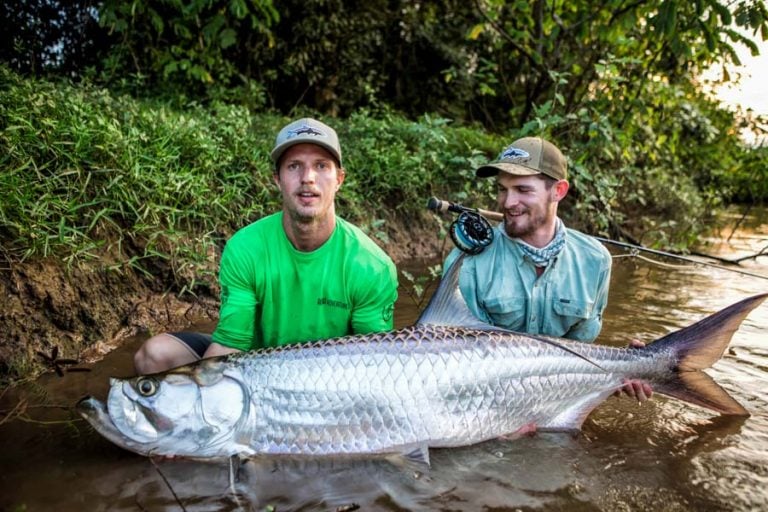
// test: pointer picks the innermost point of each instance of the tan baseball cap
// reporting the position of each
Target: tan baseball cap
(306, 131)
(526, 157)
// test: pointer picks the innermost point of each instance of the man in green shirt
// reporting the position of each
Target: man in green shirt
(538, 276)
(298, 275)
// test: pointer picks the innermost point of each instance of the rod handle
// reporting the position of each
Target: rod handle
(440, 205)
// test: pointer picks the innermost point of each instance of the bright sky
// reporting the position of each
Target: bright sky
(748, 87)
(751, 91)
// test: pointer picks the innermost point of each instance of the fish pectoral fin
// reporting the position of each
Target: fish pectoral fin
(412, 457)
(419, 455)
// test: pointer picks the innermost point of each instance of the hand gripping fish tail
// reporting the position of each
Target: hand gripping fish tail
(448, 380)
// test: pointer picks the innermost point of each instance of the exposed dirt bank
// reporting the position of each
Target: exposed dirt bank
(88, 310)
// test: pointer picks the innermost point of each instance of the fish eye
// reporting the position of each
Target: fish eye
(146, 386)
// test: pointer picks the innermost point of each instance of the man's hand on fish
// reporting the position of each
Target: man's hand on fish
(636, 388)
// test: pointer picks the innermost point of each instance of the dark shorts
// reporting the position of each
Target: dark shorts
(197, 342)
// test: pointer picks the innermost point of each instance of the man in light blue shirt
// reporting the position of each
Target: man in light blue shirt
(564, 298)
(537, 276)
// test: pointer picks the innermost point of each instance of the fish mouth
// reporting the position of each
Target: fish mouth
(96, 414)
(92, 409)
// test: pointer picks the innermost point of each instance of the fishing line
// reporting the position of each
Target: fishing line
(168, 484)
(675, 256)
(441, 205)
(651, 261)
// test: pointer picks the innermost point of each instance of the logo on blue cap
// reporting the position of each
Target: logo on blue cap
(304, 129)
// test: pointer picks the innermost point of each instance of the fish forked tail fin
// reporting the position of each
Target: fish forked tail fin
(699, 346)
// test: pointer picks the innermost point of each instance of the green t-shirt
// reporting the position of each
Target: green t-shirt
(273, 294)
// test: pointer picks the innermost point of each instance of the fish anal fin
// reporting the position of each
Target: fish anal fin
(526, 430)
(700, 389)
(572, 418)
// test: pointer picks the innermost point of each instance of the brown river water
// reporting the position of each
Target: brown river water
(663, 455)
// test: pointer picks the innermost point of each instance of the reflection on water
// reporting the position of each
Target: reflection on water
(663, 455)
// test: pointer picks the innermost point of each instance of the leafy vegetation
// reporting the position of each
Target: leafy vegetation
(89, 173)
(488, 61)
(161, 149)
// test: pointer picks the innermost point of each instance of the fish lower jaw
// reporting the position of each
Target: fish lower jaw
(96, 414)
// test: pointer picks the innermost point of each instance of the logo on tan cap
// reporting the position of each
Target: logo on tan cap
(512, 153)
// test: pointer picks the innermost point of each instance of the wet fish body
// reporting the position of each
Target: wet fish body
(447, 381)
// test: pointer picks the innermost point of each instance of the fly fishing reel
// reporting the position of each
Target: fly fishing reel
(471, 232)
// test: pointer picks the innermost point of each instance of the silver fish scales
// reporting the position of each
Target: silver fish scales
(449, 380)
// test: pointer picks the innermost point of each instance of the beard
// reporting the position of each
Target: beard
(526, 225)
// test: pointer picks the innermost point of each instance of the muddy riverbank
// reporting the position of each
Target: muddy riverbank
(83, 311)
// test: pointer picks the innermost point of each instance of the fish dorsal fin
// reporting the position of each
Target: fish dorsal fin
(447, 306)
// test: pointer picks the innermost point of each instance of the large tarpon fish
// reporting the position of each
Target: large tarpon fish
(449, 380)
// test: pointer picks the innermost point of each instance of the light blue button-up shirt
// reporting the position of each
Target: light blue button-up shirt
(500, 287)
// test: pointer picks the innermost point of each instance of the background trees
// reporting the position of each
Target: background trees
(613, 82)
(491, 61)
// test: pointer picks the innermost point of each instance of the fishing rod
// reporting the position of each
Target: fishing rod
(465, 233)
(471, 232)
(447, 206)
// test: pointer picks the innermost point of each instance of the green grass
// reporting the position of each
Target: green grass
(88, 174)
